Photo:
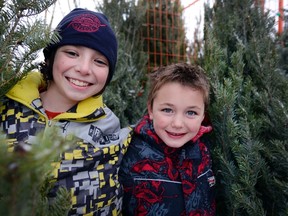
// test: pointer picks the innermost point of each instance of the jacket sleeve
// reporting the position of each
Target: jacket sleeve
(207, 180)
(126, 178)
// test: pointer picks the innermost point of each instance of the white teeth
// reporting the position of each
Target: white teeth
(176, 134)
(78, 82)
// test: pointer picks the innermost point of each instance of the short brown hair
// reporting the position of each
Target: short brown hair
(186, 74)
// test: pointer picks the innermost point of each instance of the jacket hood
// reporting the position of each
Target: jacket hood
(27, 91)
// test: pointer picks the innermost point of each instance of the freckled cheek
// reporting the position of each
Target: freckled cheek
(194, 126)
(59, 65)
(102, 75)
(160, 123)
(55, 69)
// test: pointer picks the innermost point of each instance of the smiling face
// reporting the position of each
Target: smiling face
(78, 73)
(177, 112)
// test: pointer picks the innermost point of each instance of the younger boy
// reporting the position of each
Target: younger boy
(167, 168)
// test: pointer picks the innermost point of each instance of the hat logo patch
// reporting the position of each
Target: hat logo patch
(86, 23)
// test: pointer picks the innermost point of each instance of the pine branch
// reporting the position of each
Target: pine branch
(25, 177)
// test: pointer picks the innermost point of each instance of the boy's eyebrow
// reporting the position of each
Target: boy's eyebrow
(194, 107)
(189, 107)
(166, 104)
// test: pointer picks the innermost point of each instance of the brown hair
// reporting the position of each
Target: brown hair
(46, 68)
(186, 74)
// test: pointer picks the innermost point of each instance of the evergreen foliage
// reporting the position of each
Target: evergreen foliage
(283, 51)
(163, 32)
(195, 51)
(125, 95)
(22, 34)
(25, 179)
(249, 110)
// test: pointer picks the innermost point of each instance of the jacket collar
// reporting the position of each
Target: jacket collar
(27, 92)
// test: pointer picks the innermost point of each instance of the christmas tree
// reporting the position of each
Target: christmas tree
(22, 35)
(249, 107)
(163, 32)
(25, 179)
(125, 95)
(283, 49)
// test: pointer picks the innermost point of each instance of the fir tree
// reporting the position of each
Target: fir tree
(163, 32)
(22, 35)
(249, 110)
(195, 53)
(283, 52)
(25, 179)
(125, 95)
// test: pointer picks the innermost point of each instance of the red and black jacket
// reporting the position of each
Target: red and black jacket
(160, 180)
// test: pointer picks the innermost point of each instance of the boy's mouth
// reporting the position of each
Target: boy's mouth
(78, 82)
(175, 134)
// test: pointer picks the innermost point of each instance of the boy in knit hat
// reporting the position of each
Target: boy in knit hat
(67, 94)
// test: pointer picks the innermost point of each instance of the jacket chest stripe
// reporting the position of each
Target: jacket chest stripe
(160, 180)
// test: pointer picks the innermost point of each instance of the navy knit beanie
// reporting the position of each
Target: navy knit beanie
(90, 29)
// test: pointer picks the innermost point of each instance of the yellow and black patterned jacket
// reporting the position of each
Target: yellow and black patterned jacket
(89, 171)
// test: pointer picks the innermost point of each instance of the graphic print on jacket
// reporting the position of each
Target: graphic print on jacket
(159, 180)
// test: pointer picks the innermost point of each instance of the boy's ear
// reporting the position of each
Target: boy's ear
(150, 113)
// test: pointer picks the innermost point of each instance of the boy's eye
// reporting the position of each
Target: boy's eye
(191, 113)
(167, 110)
(71, 53)
(101, 62)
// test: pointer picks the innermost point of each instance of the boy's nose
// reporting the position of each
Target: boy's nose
(177, 122)
(84, 67)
